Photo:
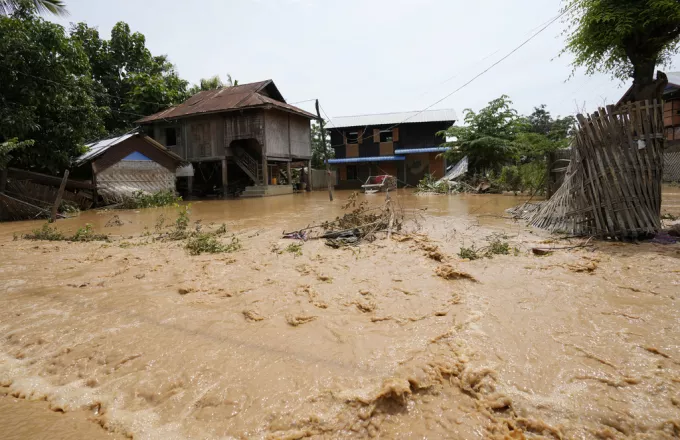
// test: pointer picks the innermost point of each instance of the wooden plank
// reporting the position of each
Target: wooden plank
(46, 179)
(60, 194)
(376, 136)
(395, 134)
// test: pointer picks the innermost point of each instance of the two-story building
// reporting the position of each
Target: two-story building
(245, 133)
(405, 145)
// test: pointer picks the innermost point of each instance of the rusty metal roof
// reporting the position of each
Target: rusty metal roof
(244, 96)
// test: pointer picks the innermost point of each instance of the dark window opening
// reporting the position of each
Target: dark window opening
(170, 137)
(353, 138)
(386, 136)
(352, 172)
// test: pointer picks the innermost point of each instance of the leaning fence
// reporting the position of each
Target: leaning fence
(612, 185)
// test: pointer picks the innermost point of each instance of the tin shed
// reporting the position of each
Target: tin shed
(125, 164)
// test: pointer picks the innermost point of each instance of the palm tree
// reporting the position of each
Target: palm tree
(56, 7)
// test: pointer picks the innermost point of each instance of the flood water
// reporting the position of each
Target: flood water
(137, 338)
(284, 212)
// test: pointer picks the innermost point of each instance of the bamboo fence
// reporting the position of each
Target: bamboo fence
(612, 187)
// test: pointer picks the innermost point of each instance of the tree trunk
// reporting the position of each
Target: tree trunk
(644, 85)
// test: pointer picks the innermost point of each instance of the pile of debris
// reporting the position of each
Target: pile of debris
(360, 223)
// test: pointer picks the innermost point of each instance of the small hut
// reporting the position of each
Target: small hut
(123, 165)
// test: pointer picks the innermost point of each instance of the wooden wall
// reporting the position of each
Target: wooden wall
(300, 137)
(287, 135)
(203, 138)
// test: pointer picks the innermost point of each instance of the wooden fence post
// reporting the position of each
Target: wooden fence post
(57, 202)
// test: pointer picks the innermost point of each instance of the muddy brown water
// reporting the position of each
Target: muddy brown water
(136, 338)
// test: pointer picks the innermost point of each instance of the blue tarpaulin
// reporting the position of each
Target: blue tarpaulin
(421, 150)
(366, 159)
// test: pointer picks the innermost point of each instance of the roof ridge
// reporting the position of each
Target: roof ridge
(394, 113)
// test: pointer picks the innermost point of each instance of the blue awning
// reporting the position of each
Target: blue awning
(366, 159)
(422, 150)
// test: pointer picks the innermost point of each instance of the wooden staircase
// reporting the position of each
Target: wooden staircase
(251, 166)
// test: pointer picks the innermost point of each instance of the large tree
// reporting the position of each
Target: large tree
(46, 93)
(627, 38)
(320, 149)
(130, 81)
(487, 137)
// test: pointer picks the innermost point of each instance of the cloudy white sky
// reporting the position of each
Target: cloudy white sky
(366, 56)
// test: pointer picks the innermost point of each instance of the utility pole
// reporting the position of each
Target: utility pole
(325, 154)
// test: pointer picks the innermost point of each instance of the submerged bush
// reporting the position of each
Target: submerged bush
(142, 199)
(207, 242)
(87, 234)
(46, 233)
(520, 178)
(49, 233)
(429, 184)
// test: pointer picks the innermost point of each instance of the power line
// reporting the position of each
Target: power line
(543, 28)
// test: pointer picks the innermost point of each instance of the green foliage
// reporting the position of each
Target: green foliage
(470, 253)
(319, 145)
(626, 38)
(130, 81)
(49, 233)
(519, 178)
(487, 137)
(206, 242)
(179, 230)
(87, 234)
(46, 233)
(142, 199)
(212, 83)
(295, 249)
(500, 143)
(428, 184)
(11, 145)
(496, 245)
(46, 93)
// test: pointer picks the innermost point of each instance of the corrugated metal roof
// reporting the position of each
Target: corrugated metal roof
(228, 99)
(367, 159)
(421, 150)
(94, 149)
(444, 115)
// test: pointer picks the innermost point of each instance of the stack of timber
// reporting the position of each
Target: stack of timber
(612, 187)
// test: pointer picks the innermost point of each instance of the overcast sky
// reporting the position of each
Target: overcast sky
(366, 56)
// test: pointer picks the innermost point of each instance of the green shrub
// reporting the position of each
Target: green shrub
(49, 233)
(142, 199)
(87, 234)
(206, 242)
(429, 184)
(295, 249)
(46, 233)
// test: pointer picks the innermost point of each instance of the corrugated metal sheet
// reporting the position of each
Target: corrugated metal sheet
(94, 149)
(421, 150)
(367, 159)
(444, 115)
(227, 99)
